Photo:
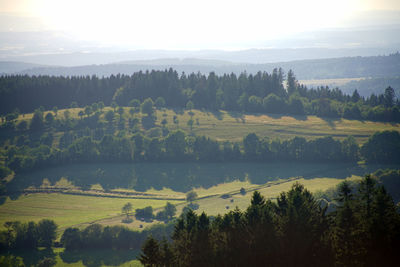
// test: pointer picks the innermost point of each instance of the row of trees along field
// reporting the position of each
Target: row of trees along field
(382, 147)
(21, 244)
(295, 230)
(261, 92)
(29, 235)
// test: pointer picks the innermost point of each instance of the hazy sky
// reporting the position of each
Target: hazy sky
(177, 24)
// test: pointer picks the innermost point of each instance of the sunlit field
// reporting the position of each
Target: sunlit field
(69, 210)
(233, 126)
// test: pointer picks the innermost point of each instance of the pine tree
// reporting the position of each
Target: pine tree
(150, 256)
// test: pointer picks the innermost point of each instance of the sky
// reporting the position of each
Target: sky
(183, 24)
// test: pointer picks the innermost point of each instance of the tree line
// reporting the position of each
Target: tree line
(260, 92)
(31, 236)
(382, 147)
(116, 237)
(28, 235)
(294, 230)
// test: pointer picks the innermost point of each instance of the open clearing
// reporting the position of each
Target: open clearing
(337, 82)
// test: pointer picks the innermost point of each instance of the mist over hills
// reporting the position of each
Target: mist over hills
(13, 67)
(371, 34)
(345, 67)
(248, 56)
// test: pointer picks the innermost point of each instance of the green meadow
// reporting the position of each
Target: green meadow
(69, 210)
(233, 126)
(60, 194)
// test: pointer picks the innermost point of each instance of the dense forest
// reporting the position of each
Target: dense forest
(261, 92)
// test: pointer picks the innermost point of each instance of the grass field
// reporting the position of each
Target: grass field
(233, 126)
(79, 210)
(217, 205)
(68, 210)
(330, 82)
(47, 193)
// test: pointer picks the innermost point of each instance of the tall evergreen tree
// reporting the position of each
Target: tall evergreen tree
(150, 256)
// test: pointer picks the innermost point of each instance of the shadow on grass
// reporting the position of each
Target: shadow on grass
(331, 122)
(182, 177)
(275, 116)
(217, 114)
(31, 257)
(96, 258)
(238, 116)
(179, 111)
(127, 220)
(300, 117)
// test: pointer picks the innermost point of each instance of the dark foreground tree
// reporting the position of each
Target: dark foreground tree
(364, 230)
(150, 256)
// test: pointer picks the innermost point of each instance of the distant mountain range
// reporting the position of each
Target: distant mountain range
(63, 49)
(13, 67)
(345, 67)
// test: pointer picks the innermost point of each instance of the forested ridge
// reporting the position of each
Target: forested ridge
(261, 92)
